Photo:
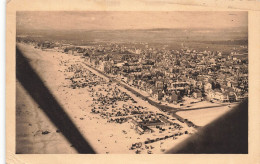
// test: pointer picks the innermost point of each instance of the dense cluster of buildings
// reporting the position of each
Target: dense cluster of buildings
(168, 75)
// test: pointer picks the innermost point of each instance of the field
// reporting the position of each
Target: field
(199, 39)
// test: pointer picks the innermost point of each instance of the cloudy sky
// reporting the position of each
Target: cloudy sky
(128, 20)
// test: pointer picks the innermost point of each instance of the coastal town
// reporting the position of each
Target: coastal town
(146, 88)
(166, 75)
(131, 82)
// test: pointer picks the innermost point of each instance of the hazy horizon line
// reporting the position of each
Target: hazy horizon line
(139, 29)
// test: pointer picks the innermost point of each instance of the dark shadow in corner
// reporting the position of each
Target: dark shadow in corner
(226, 135)
(43, 97)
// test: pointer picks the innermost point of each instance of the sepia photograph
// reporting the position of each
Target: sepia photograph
(131, 82)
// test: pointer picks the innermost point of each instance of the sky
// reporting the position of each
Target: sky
(115, 20)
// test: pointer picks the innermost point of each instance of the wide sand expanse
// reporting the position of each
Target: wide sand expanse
(202, 117)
